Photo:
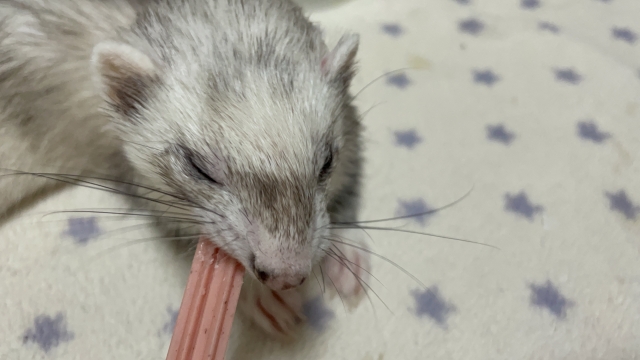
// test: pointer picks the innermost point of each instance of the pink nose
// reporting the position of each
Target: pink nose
(280, 281)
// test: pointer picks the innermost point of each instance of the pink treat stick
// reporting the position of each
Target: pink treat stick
(206, 314)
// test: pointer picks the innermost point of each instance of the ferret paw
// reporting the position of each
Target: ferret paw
(278, 313)
(347, 266)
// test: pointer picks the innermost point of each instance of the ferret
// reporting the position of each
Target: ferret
(225, 118)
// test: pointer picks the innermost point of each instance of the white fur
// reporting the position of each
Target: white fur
(87, 90)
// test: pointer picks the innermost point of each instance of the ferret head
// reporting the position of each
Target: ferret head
(250, 142)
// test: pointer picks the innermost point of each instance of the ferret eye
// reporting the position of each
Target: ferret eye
(327, 167)
(201, 174)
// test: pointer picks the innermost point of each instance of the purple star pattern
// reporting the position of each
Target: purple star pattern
(394, 30)
(624, 34)
(415, 207)
(621, 203)
(588, 130)
(431, 304)
(530, 4)
(485, 77)
(82, 229)
(168, 327)
(547, 26)
(317, 313)
(500, 134)
(521, 205)
(407, 138)
(48, 332)
(471, 26)
(400, 80)
(547, 296)
(568, 75)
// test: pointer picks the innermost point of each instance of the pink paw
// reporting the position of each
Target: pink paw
(347, 268)
(276, 312)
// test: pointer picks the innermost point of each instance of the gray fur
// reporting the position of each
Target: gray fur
(138, 90)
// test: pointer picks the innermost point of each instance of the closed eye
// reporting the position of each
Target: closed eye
(326, 167)
(201, 174)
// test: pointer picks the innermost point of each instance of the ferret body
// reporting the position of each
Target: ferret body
(232, 114)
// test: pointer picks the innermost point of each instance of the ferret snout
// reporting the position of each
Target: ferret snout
(280, 277)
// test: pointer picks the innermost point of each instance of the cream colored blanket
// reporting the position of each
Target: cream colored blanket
(532, 104)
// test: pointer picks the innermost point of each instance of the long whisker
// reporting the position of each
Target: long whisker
(143, 145)
(103, 188)
(132, 211)
(424, 234)
(130, 228)
(363, 284)
(318, 281)
(378, 78)
(332, 254)
(345, 258)
(431, 211)
(350, 226)
(324, 285)
(134, 227)
(366, 112)
(394, 264)
(77, 181)
(337, 291)
(115, 213)
(172, 203)
(141, 241)
(81, 177)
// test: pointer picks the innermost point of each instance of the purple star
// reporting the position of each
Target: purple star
(620, 202)
(431, 304)
(588, 130)
(394, 30)
(48, 332)
(568, 75)
(624, 34)
(408, 138)
(500, 134)
(530, 4)
(521, 205)
(400, 80)
(82, 229)
(471, 26)
(485, 77)
(545, 25)
(417, 207)
(317, 313)
(168, 327)
(548, 297)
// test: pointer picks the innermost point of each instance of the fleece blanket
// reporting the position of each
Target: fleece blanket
(529, 107)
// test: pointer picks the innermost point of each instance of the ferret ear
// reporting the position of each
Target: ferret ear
(124, 75)
(339, 63)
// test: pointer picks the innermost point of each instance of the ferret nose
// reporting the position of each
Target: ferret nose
(282, 281)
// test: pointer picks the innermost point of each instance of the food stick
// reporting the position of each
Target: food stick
(204, 322)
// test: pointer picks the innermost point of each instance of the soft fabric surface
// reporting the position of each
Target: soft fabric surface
(532, 103)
